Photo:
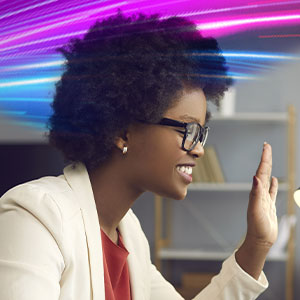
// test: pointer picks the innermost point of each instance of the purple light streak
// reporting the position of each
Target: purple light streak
(40, 27)
(13, 13)
(229, 26)
(61, 20)
(31, 31)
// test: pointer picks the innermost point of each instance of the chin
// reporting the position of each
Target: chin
(170, 191)
(175, 194)
(180, 193)
(180, 197)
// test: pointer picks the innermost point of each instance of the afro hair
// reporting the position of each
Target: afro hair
(128, 68)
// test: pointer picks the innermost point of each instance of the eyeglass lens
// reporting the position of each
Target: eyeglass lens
(192, 136)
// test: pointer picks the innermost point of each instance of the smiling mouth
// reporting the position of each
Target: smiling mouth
(185, 169)
(186, 173)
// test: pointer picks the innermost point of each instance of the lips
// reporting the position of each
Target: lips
(185, 169)
(192, 164)
(185, 172)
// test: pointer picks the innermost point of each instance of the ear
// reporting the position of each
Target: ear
(125, 137)
(122, 139)
(120, 143)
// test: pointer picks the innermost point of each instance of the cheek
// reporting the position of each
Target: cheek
(153, 164)
(156, 154)
(166, 153)
(159, 166)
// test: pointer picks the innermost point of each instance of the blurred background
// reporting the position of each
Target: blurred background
(261, 41)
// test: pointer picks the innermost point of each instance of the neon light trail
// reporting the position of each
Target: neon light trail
(32, 30)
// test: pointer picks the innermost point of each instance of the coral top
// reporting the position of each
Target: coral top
(116, 274)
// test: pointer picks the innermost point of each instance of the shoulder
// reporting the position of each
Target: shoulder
(51, 196)
(32, 230)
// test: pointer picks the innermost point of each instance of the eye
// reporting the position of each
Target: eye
(182, 132)
(190, 130)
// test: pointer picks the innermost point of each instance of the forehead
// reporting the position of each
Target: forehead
(190, 107)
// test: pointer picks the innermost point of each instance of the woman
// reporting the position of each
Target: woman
(129, 113)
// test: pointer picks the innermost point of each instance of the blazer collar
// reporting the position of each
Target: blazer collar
(136, 273)
(78, 179)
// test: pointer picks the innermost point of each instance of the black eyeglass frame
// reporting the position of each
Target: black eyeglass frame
(203, 131)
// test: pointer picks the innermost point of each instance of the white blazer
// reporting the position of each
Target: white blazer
(50, 248)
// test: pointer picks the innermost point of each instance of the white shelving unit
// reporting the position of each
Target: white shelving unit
(196, 254)
(229, 186)
(163, 245)
(255, 117)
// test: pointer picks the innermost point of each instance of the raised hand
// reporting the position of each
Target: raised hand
(261, 218)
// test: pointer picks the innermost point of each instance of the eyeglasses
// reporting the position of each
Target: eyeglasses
(193, 133)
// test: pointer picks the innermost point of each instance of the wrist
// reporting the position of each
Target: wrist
(256, 245)
(251, 255)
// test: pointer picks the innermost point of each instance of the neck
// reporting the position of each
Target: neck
(114, 195)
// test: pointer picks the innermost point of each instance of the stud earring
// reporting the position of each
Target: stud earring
(125, 149)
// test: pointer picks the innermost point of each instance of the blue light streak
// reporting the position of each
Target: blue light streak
(27, 99)
(28, 82)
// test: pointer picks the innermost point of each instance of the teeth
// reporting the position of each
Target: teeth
(187, 169)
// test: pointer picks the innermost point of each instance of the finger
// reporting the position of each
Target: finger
(255, 195)
(265, 166)
(274, 188)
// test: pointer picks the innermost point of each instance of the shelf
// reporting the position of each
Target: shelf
(195, 254)
(228, 186)
(262, 117)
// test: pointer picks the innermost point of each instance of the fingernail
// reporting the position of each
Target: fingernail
(265, 143)
(255, 181)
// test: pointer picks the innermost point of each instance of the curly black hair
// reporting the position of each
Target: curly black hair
(128, 68)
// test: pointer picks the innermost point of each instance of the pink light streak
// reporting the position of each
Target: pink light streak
(59, 23)
(230, 23)
(208, 28)
(77, 17)
(48, 39)
(278, 36)
(43, 33)
(231, 9)
(26, 9)
(219, 28)
(33, 18)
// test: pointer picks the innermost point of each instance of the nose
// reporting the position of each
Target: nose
(198, 151)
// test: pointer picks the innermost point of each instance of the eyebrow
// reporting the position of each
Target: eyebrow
(190, 118)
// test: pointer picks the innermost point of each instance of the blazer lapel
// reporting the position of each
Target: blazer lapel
(137, 283)
(78, 178)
